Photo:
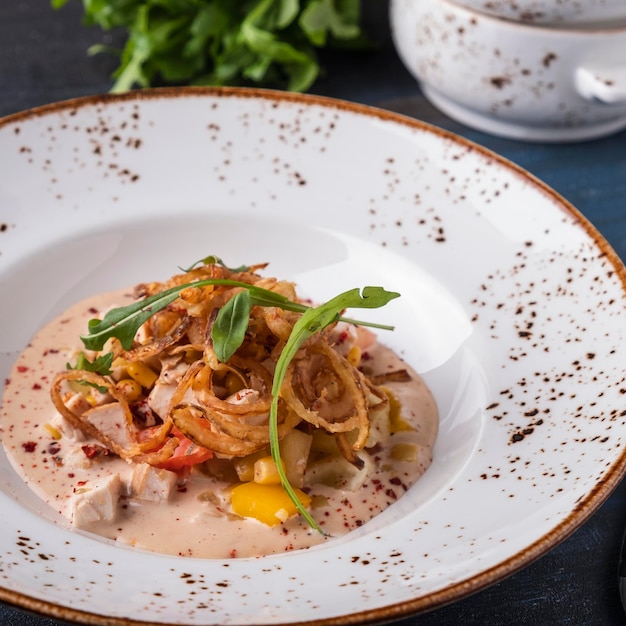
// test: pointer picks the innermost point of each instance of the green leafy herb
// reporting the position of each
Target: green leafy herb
(124, 322)
(215, 260)
(229, 329)
(313, 321)
(223, 42)
(100, 365)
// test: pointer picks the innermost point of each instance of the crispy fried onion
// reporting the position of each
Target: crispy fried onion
(327, 392)
(129, 447)
(159, 344)
(224, 407)
(251, 375)
(235, 427)
(198, 423)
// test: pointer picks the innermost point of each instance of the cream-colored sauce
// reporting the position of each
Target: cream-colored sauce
(195, 521)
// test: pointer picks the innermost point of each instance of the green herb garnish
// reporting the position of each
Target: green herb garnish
(124, 322)
(314, 320)
(215, 260)
(100, 365)
(223, 42)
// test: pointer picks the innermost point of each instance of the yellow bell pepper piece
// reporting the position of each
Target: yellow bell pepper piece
(270, 504)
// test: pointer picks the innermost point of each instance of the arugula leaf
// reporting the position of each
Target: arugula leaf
(215, 260)
(221, 42)
(124, 322)
(229, 329)
(100, 365)
(313, 321)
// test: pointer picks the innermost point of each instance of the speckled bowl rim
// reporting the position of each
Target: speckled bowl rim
(456, 591)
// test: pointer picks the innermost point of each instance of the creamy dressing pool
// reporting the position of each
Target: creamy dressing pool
(195, 522)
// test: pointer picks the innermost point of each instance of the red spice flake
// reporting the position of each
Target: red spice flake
(93, 310)
(22, 368)
(36, 386)
(29, 446)
(366, 356)
(377, 485)
(92, 450)
(81, 483)
(233, 553)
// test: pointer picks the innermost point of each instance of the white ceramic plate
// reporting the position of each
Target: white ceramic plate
(512, 308)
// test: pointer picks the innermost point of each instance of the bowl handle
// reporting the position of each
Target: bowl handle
(602, 83)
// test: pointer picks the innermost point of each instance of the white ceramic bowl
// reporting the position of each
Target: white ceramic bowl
(512, 79)
(524, 347)
(554, 12)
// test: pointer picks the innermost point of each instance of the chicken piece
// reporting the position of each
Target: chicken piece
(77, 404)
(110, 421)
(59, 423)
(160, 397)
(76, 458)
(152, 484)
(248, 396)
(97, 502)
(173, 368)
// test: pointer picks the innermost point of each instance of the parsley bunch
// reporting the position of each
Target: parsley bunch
(223, 42)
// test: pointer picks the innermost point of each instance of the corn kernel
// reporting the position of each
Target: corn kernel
(354, 356)
(55, 433)
(269, 504)
(266, 472)
(92, 401)
(129, 388)
(141, 373)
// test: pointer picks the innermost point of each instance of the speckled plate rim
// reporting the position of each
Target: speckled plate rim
(585, 507)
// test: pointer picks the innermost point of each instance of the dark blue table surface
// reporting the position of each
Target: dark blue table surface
(43, 59)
